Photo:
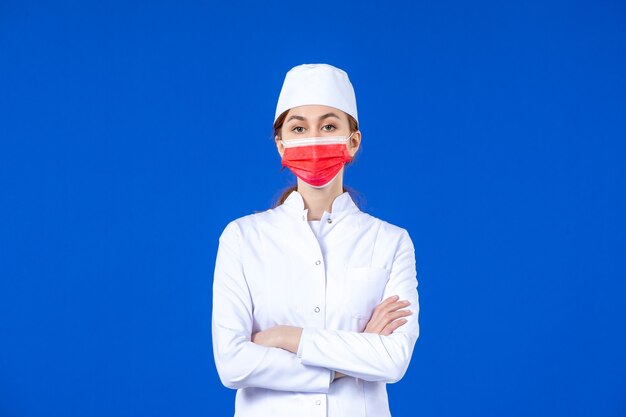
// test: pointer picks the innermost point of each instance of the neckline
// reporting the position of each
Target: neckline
(343, 202)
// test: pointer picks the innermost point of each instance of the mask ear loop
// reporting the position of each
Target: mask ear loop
(281, 158)
(347, 141)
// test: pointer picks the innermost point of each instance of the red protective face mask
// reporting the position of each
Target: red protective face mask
(316, 161)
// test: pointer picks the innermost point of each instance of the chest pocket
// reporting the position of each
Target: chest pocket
(364, 287)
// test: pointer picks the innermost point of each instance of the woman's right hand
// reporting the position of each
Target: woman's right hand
(386, 318)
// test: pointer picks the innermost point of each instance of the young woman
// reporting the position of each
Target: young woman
(315, 304)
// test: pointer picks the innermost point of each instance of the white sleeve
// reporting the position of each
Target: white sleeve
(370, 356)
(241, 363)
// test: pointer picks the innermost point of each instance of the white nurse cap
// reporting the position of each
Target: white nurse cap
(320, 84)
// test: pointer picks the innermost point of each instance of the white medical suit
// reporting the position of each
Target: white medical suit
(272, 269)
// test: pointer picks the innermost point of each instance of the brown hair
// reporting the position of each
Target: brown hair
(278, 125)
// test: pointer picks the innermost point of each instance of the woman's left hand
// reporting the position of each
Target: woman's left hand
(281, 336)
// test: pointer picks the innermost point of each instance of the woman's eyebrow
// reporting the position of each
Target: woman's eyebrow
(322, 117)
(327, 115)
(295, 117)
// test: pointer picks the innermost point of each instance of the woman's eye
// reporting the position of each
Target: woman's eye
(329, 128)
(298, 129)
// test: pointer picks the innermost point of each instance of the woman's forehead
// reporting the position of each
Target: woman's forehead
(315, 111)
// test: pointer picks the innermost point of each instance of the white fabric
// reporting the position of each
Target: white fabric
(320, 84)
(271, 269)
(320, 140)
(315, 226)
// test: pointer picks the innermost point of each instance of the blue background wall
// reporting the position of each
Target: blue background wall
(132, 132)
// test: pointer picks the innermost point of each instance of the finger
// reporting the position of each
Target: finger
(394, 306)
(397, 314)
(383, 317)
(378, 321)
(389, 300)
(390, 317)
(391, 327)
(400, 304)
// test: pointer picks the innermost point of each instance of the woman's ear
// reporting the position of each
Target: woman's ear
(279, 146)
(354, 143)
